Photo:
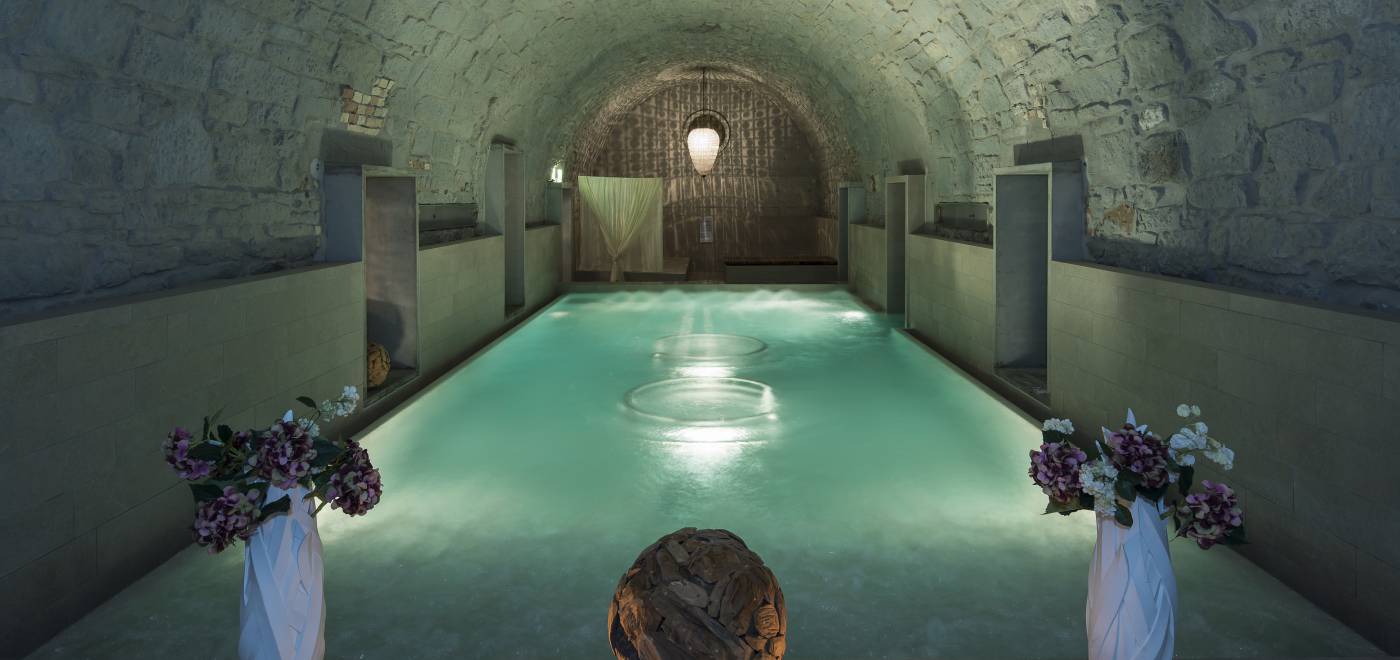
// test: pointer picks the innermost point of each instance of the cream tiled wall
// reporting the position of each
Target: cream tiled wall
(952, 297)
(461, 292)
(867, 272)
(1308, 396)
(87, 503)
(543, 251)
(461, 299)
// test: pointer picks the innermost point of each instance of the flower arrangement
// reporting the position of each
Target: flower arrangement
(1134, 462)
(231, 472)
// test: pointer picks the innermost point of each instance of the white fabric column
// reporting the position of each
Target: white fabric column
(1131, 611)
(284, 607)
(621, 225)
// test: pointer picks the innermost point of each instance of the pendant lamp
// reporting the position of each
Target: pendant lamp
(706, 132)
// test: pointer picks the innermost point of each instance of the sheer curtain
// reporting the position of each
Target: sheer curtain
(621, 225)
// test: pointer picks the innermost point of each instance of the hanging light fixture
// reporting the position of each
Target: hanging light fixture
(706, 132)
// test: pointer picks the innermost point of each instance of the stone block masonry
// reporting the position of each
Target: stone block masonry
(127, 124)
(153, 145)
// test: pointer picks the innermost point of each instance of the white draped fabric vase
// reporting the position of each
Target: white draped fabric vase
(1131, 611)
(283, 613)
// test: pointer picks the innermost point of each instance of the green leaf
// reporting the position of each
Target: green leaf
(1183, 482)
(326, 456)
(212, 420)
(1155, 493)
(1124, 488)
(282, 505)
(307, 401)
(225, 433)
(1235, 536)
(1052, 506)
(206, 492)
(1123, 516)
(206, 452)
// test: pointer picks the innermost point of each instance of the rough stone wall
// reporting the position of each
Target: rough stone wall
(1247, 142)
(763, 193)
(152, 143)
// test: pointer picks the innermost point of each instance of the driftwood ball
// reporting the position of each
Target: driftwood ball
(698, 594)
(378, 361)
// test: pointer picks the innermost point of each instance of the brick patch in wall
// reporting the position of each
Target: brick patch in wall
(363, 112)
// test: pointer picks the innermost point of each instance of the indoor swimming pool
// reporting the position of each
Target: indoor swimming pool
(886, 491)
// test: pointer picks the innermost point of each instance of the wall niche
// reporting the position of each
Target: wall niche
(371, 215)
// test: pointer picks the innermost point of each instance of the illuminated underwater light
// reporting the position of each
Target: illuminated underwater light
(708, 434)
(702, 401)
(705, 371)
(707, 346)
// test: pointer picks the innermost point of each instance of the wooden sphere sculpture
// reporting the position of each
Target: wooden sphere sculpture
(378, 362)
(698, 594)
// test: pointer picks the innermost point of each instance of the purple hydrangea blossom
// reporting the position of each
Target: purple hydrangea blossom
(285, 454)
(355, 486)
(1055, 468)
(177, 454)
(1140, 452)
(1209, 516)
(227, 518)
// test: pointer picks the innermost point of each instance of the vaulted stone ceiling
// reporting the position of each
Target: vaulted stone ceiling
(157, 142)
(551, 76)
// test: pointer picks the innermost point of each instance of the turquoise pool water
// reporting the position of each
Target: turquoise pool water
(886, 491)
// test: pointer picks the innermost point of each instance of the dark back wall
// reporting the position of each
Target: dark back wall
(764, 193)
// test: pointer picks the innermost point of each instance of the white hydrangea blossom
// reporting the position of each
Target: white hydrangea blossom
(1185, 410)
(1096, 478)
(312, 428)
(1194, 438)
(349, 399)
(1221, 454)
(1190, 438)
(343, 406)
(1059, 425)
